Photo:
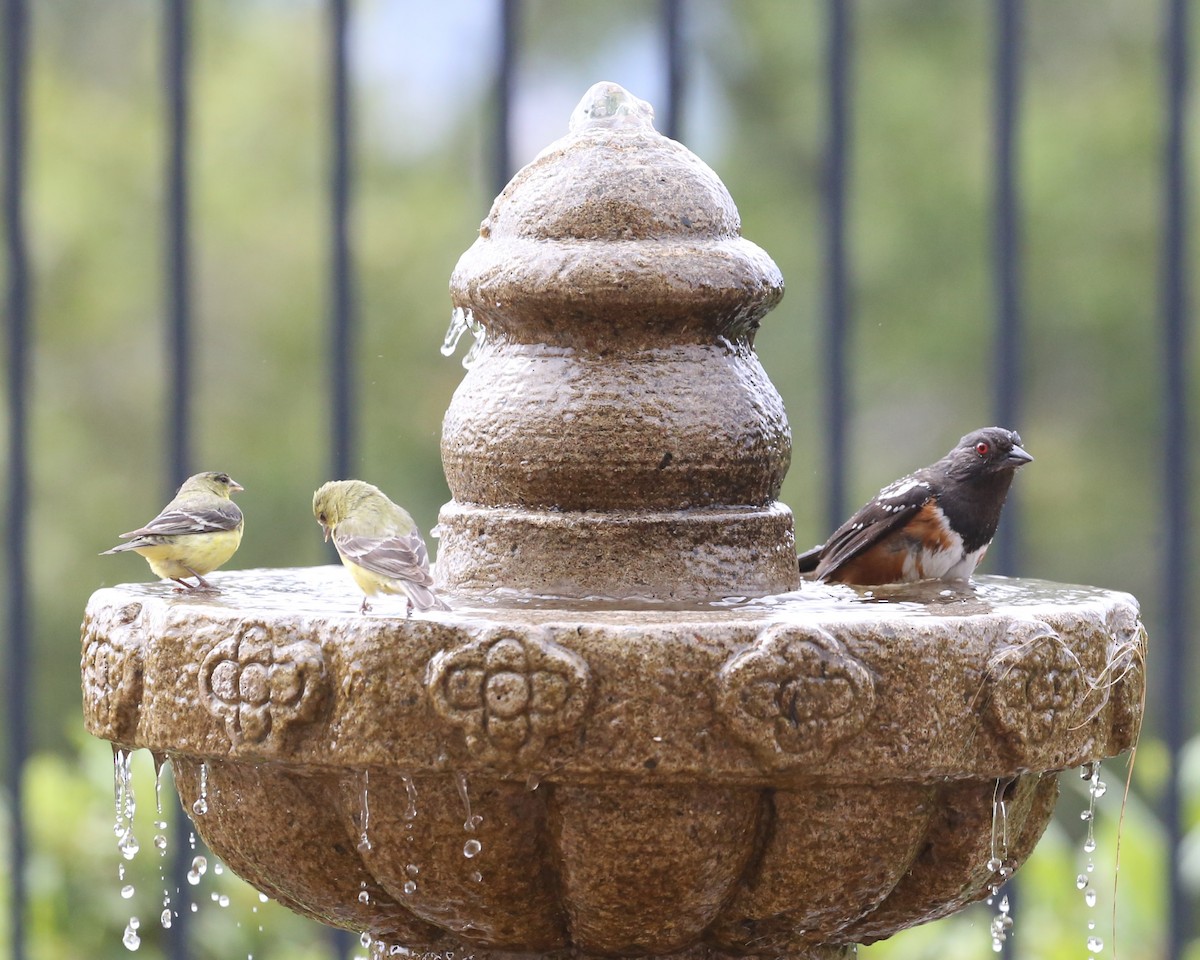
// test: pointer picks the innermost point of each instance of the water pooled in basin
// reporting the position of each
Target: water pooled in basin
(326, 591)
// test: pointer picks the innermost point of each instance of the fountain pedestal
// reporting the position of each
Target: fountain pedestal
(597, 752)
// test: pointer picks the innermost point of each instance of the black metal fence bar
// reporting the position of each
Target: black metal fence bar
(506, 81)
(671, 13)
(1006, 254)
(839, 15)
(16, 546)
(176, 69)
(342, 327)
(1176, 445)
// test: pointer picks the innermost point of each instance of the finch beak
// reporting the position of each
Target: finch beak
(1018, 456)
(234, 486)
(325, 530)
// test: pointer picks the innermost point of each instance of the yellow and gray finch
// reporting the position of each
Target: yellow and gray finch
(194, 534)
(378, 542)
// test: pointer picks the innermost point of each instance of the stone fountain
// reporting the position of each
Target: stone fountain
(636, 735)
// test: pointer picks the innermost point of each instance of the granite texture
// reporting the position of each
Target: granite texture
(635, 734)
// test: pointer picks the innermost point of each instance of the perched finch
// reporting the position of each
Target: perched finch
(933, 524)
(378, 542)
(195, 533)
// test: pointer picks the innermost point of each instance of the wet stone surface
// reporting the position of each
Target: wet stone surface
(636, 732)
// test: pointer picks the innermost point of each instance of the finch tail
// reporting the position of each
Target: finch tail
(423, 598)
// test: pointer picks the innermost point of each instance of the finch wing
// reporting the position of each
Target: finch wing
(890, 509)
(200, 516)
(400, 556)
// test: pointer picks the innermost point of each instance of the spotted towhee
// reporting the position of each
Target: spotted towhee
(935, 523)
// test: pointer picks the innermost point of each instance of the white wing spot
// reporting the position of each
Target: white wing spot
(901, 488)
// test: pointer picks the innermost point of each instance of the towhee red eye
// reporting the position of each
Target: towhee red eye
(982, 448)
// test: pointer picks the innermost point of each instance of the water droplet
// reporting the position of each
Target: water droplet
(1086, 815)
(364, 897)
(127, 891)
(128, 845)
(1081, 881)
(1090, 898)
(365, 939)
(200, 806)
(263, 898)
(165, 919)
(412, 869)
(160, 842)
(199, 868)
(532, 782)
(195, 906)
(1095, 944)
(410, 789)
(131, 939)
(410, 887)
(1089, 845)
(472, 848)
(477, 877)
(994, 865)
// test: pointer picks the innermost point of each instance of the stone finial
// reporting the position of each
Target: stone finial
(616, 435)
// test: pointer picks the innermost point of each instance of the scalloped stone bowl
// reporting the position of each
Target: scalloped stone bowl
(636, 734)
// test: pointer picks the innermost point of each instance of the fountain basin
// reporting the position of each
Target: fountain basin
(786, 775)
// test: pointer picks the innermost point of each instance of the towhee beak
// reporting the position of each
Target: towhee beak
(1019, 456)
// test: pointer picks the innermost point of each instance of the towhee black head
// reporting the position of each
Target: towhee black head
(935, 523)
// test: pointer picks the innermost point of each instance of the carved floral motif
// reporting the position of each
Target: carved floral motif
(260, 689)
(112, 671)
(795, 694)
(509, 693)
(1033, 682)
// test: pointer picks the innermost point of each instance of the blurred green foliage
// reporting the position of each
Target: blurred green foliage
(922, 342)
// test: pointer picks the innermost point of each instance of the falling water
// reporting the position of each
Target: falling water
(410, 814)
(200, 807)
(364, 841)
(126, 806)
(460, 322)
(160, 843)
(1096, 788)
(999, 866)
(472, 847)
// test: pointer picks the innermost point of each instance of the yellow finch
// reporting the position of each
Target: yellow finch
(378, 542)
(195, 533)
